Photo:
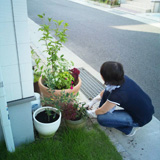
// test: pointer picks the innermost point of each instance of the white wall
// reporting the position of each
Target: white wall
(15, 57)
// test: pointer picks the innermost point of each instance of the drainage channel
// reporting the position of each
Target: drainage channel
(91, 87)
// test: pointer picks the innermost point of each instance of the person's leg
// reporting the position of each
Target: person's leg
(119, 119)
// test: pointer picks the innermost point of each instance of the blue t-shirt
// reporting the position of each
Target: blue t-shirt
(133, 99)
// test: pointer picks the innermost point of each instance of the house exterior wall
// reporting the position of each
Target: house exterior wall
(15, 58)
(15, 61)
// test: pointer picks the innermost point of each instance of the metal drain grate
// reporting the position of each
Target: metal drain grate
(91, 87)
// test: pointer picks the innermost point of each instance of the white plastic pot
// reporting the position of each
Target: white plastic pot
(36, 103)
(46, 129)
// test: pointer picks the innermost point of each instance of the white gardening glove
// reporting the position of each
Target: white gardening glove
(91, 114)
(93, 101)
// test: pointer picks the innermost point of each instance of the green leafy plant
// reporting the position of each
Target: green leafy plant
(56, 72)
(73, 111)
(49, 113)
(64, 80)
(36, 77)
(68, 104)
(35, 74)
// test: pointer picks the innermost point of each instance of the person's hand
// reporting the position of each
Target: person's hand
(91, 114)
(89, 105)
(93, 101)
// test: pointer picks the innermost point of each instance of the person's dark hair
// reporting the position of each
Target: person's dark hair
(112, 73)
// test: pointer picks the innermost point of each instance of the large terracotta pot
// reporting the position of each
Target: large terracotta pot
(36, 87)
(45, 93)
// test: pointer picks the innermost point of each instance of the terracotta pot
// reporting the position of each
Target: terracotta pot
(45, 93)
(36, 87)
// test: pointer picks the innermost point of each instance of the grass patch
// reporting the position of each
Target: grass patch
(67, 144)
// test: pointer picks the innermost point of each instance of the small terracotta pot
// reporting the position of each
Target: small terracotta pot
(45, 92)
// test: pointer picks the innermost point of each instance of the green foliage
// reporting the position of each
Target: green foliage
(68, 104)
(72, 108)
(63, 80)
(56, 65)
(36, 77)
(49, 113)
(32, 51)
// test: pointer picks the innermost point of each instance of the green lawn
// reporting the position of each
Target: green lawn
(67, 144)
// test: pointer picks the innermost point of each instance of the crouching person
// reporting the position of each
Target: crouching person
(137, 108)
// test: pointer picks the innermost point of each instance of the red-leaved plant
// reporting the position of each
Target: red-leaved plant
(69, 112)
(73, 111)
(75, 73)
(68, 104)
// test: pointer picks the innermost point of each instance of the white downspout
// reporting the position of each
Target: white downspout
(4, 117)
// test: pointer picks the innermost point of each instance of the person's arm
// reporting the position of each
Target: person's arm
(94, 100)
(101, 94)
(105, 108)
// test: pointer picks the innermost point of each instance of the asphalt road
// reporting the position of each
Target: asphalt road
(97, 36)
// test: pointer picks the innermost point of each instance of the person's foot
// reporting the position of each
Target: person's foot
(133, 132)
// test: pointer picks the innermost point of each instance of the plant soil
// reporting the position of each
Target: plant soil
(43, 117)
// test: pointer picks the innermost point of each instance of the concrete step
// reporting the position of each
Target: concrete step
(139, 9)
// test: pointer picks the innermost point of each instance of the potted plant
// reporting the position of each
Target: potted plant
(63, 79)
(47, 121)
(73, 112)
(56, 75)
